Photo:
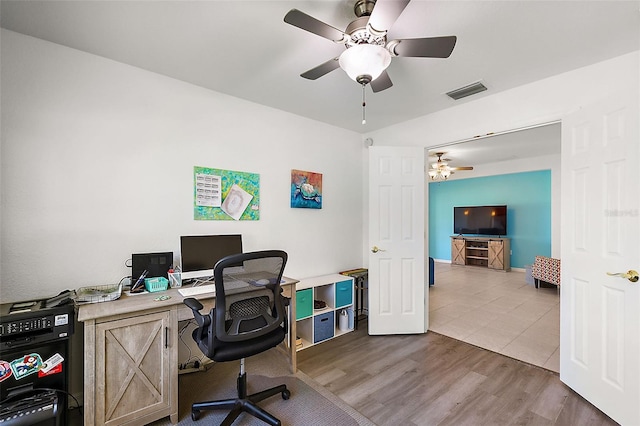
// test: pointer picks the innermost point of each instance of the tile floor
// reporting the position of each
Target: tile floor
(497, 311)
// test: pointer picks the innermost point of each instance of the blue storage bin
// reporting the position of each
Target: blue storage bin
(323, 326)
(344, 293)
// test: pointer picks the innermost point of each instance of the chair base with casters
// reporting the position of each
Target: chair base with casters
(243, 403)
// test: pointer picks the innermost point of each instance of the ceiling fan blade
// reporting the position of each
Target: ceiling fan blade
(311, 24)
(322, 69)
(381, 83)
(461, 168)
(385, 13)
(432, 47)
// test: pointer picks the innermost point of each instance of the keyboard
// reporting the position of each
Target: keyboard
(211, 288)
(195, 291)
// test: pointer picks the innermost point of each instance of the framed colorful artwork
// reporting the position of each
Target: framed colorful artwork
(306, 190)
(225, 194)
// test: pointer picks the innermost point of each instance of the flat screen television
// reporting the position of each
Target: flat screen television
(480, 220)
(200, 253)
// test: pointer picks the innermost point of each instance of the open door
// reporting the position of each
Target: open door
(398, 285)
(600, 313)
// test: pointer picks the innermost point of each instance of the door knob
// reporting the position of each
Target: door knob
(376, 249)
(631, 275)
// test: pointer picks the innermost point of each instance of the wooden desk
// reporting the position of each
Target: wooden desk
(131, 355)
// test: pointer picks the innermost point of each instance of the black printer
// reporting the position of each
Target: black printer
(34, 360)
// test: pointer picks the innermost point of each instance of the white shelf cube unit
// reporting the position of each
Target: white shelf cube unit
(316, 326)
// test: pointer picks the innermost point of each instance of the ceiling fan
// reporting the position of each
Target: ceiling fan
(440, 170)
(368, 52)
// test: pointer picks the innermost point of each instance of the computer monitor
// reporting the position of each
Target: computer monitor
(156, 264)
(200, 253)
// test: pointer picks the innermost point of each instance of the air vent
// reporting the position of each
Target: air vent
(465, 91)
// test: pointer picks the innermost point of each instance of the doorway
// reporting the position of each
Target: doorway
(500, 311)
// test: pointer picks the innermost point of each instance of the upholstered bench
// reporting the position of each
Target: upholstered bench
(546, 269)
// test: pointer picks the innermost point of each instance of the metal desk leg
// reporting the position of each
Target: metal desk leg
(360, 287)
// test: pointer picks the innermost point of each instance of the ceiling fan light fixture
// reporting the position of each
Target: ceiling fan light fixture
(440, 170)
(365, 62)
(439, 174)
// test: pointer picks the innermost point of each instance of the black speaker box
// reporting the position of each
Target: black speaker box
(158, 264)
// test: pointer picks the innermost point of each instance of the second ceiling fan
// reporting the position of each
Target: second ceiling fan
(368, 52)
(440, 170)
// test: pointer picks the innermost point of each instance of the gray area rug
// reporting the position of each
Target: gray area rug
(310, 403)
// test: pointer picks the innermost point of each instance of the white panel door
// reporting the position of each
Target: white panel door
(600, 314)
(398, 292)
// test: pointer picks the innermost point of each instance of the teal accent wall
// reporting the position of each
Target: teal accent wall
(528, 199)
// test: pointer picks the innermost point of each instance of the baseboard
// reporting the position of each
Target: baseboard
(449, 261)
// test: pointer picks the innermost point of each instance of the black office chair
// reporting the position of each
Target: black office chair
(248, 319)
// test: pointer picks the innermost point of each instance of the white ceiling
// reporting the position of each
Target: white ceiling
(245, 49)
(538, 141)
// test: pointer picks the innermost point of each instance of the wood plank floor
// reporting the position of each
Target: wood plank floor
(432, 379)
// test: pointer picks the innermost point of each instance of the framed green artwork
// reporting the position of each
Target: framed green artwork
(225, 194)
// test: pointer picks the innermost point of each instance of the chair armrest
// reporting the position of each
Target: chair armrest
(193, 304)
(201, 335)
(203, 321)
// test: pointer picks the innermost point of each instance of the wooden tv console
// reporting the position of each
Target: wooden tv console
(492, 253)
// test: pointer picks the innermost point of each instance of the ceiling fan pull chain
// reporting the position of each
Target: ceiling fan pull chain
(364, 104)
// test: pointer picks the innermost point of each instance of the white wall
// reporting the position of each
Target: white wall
(543, 101)
(97, 163)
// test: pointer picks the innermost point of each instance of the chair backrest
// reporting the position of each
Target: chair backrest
(248, 299)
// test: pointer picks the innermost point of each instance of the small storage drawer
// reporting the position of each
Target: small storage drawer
(344, 293)
(323, 326)
(304, 303)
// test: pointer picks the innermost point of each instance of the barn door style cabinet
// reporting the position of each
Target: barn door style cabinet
(492, 253)
(131, 368)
